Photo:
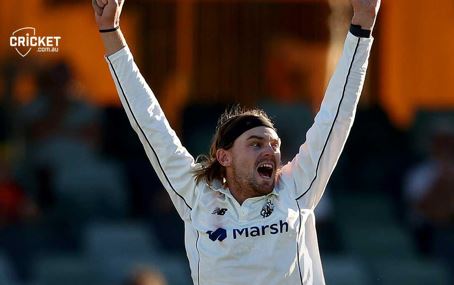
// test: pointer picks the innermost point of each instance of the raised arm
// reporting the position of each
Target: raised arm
(171, 161)
(309, 172)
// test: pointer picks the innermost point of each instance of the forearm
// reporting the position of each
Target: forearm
(113, 41)
(366, 22)
(365, 13)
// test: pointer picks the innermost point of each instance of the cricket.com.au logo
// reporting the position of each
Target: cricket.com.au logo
(25, 39)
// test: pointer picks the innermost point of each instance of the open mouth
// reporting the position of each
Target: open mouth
(265, 169)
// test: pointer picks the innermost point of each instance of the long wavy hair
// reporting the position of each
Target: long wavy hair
(210, 169)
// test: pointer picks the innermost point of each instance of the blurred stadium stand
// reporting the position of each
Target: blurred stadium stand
(6, 271)
(345, 270)
(409, 271)
(174, 268)
(105, 241)
(65, 269)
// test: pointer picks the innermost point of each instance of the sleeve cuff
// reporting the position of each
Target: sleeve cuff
(357, 31)
(123, 51)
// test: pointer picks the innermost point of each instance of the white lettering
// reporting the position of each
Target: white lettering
(43, 43)
(13, 41)
(57, 39)
(33, 42)
(21, 41)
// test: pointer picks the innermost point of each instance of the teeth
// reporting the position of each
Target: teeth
(268, 165)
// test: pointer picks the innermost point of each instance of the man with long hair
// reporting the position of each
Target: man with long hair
(248, 220)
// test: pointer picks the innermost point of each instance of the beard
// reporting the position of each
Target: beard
(250, 182)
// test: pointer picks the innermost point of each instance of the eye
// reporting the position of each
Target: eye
(275, 145)
(255, 144)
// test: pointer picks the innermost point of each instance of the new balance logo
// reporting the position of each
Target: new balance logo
(220, 234)
(219, 211)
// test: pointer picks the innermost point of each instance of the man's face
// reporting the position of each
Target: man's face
(256, 157)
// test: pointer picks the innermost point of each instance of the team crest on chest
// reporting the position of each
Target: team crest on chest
(267, 209)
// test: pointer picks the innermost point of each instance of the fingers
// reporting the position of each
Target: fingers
(101, 3)
(98, 6)
(107, 12)
(98, 10)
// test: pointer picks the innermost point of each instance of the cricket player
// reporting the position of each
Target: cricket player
(248, 220)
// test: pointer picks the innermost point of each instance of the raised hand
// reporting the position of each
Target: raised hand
(365, 12)
(107, 13)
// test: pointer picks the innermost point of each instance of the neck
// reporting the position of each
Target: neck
(238, 195)
(239, 191)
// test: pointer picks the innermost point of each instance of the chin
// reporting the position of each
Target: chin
(262, 185)
(266, 186)
(267, 190)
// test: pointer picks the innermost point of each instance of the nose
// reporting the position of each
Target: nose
(269, 150)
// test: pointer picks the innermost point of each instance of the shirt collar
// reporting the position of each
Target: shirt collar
(218, 187)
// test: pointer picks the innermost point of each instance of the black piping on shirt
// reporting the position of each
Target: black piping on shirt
(142, 132)
(198, 259)
(334, 121)
(297, 243)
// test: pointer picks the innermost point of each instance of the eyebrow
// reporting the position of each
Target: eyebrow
(255, 137)
(262, 138)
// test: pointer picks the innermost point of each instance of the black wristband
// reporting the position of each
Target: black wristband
(109, 30)
(356, 30)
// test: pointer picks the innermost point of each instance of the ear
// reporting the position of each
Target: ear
(224, 157)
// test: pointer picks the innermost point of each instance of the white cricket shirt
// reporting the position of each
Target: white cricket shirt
(269, 239)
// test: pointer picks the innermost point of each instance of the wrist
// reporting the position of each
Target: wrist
(107, 25)
(113, 41)
(109, 30)
(359, 32)
(365, 20)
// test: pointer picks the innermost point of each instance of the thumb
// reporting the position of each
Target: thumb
(110, 15)
(113, 9)
(98, 9)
